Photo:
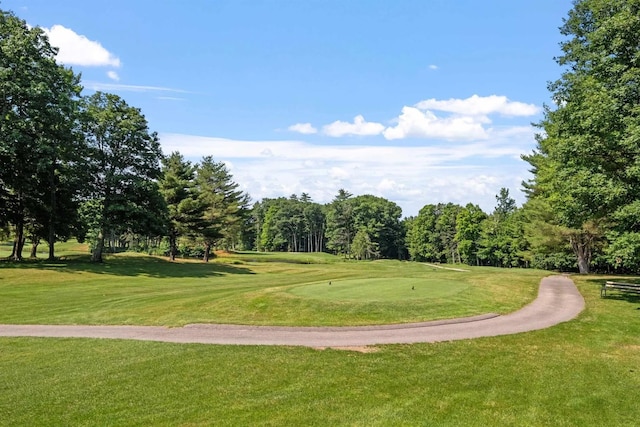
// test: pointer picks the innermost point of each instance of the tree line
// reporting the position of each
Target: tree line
(89, 167)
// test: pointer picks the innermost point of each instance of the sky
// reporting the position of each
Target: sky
(419, 102)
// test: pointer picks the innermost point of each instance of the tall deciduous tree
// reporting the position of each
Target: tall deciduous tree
(315, 224)
(363, 247)
(468, 232)
(293, 224)
(123, 166)
(502, 242)
(37, 141)
(431, 236)
(380, 220)
(586, 162)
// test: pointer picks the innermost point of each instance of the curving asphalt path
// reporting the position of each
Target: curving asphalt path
(558, 301)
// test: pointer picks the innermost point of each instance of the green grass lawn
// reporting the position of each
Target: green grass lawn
(395, 289)
(582, 373)
(252, 288)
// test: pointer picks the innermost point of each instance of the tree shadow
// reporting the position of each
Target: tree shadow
(131, 266)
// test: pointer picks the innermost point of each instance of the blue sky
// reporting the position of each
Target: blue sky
(416, 101)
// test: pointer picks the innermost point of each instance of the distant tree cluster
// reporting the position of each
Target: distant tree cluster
(453, 233)
(89, 167)
(362, 227)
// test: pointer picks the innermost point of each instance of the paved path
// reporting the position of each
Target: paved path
(558, 301)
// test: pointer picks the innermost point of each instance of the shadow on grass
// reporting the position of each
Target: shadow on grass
(130, 266)
(614, 294)
(304, 258)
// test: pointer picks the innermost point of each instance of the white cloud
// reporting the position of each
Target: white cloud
(458, 119)
(480, 106)
(433, 67)
(359, 127)
(339, 173)
(303, 128)
(113, 75)
(76, 49)
(115, 87)
(411, 176)
(169, 98)
(418, 124)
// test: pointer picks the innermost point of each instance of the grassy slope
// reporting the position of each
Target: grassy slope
(581, 373)
(253, 289)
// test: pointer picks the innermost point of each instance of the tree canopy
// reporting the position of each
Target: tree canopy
(89, 166)
(38, 140)
(587, 163)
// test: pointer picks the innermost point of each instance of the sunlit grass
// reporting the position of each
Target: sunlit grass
(62, 249)
(246, 289)
(581, 373)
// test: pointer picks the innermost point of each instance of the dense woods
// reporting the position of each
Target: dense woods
(89, 167)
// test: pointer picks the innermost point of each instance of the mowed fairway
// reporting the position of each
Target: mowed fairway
(387, 289)
(581, 373)
(253, 288)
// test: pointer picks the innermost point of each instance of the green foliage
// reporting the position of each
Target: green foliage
(468, 233)
(556, 261)
(431, 236)
(226, 207)
(205, 207)
(185, 207)
(340, 226)
(124, 162)
(38, 136)
(502, 239)
(379, 218)
(363, 247)
(623, 251)
(282, 227)
(586, 163)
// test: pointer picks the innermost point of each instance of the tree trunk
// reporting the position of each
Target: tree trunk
(96, 256)
(581, 245)
(34, 248)
(173, 250)
(52, 211)
(52, 241)
(583, 265)
(207, 249)
(19, 243)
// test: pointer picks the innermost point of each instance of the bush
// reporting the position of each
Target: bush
(559, 261)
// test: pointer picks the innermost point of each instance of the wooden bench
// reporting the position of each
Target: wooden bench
(632, 288)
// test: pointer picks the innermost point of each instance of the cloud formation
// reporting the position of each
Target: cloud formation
(359, 127)
(113, 75)
(425, 124)
(303, 128)
(116, 87)
(76, 49)
(411, 176)
(480, 106)
(456, 119)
